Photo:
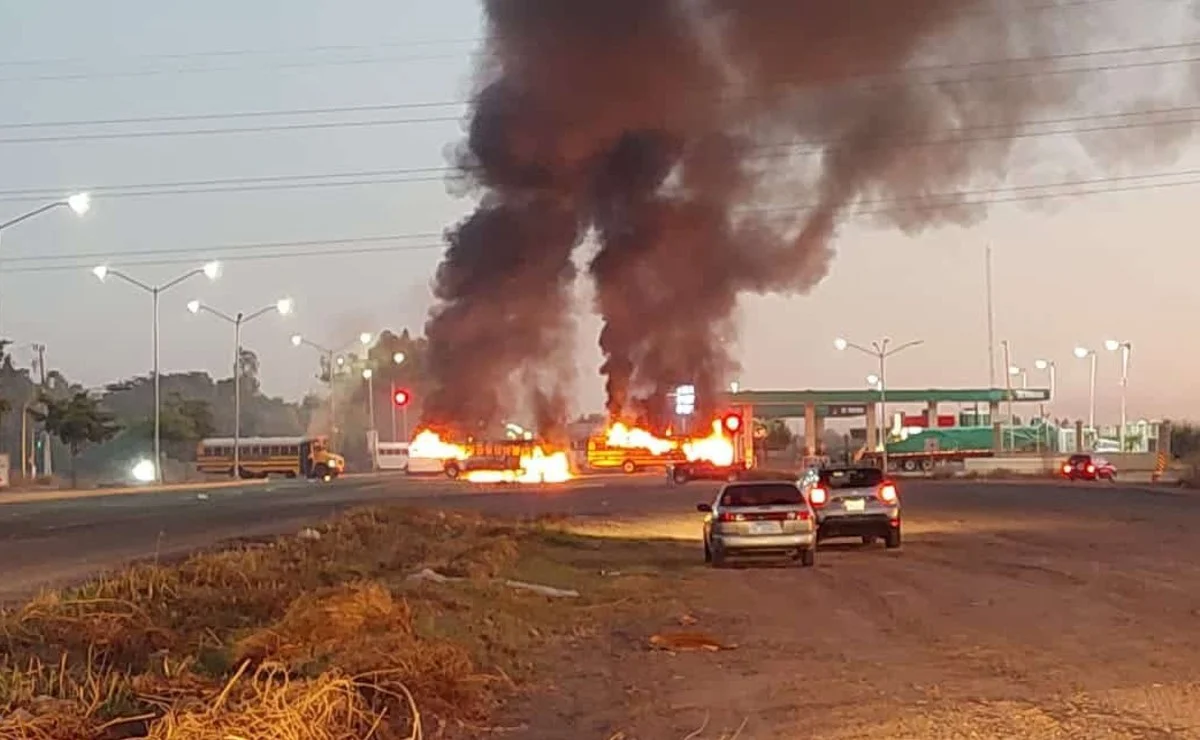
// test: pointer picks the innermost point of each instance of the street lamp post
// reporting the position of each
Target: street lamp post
(880, 351)
(284, 307)
(1084, 353)
(1112, 345)
(212, 271)
(80, 203)
(1052, 369)
(332, 363)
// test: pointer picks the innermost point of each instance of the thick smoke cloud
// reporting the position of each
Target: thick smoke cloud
(712, 148)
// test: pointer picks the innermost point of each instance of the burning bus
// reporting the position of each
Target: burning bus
(509, 461)
(726, 449)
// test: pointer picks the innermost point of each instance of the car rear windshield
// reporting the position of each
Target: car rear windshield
(852, 478)
(772, 494)
(1077, 459)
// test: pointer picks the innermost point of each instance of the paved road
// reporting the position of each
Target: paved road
(58, 541)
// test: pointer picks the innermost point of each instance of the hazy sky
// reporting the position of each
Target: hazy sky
(1120, 264)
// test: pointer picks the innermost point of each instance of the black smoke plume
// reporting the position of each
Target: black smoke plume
(712, 148)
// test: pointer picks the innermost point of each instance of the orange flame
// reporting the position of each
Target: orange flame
(632, 438)
(537, 467)
(715, 448)
(429, 445)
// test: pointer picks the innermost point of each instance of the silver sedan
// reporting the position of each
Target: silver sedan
(759, 518)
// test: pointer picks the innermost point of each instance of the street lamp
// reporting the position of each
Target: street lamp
(1015, 371)
(880, 351)
(79, 203)
(1112, 345)
(283, 307)
(212, 271)
(1084, 353)
(332, 362)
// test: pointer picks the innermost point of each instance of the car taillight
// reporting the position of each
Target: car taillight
(887, 493)
(797, 516)
(1091, 468)
(818, 496)
(1067, 469)
(729, 516)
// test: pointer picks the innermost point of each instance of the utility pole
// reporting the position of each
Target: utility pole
(47, 462)
(991, 318)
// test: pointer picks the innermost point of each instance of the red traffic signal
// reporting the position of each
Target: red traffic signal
(401, 397)
(732, 423)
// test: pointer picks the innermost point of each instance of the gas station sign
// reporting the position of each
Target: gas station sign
(841, 410)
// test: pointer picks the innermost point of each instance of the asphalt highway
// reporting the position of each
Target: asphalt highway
(54, 542)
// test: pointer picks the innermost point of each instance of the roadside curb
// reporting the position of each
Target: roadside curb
(66, 495)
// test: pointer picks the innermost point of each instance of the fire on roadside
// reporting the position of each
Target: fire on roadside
(632, 438)
(536, 467)
(428, 445)
(716, 448)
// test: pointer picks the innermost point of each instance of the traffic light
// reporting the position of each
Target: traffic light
(732, 423)
(401, 397)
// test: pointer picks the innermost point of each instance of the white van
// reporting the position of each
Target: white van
(391, 456)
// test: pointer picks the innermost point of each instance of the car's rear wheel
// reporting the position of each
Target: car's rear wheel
(893, 538)
(808, 557)
(629, 467)
(716, 558)
(707, 552)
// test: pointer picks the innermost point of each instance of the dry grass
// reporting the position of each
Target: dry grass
(301, 639)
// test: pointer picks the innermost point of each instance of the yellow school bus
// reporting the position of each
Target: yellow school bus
(260, 457)
(602, 456)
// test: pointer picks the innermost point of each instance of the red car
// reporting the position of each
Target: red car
(1088, 467)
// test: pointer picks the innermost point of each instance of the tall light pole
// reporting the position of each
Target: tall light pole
(880, 351)
(80, 203)
(212, 271)
(332, 364)
(1008, 389)
(1052, 369)
(1084, 353)
(283, 307)
(1112, 345)
(1020, 372)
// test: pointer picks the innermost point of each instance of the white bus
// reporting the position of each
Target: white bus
(391, 456)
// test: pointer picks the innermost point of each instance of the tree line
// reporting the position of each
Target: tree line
(100, 433)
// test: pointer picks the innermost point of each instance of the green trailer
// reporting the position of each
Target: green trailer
(925, 449)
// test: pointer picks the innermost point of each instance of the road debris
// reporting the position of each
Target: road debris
(543, 590)
(681, 642)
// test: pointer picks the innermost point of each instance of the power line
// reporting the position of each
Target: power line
(934, 201)
(780, 150)
(406, 44)
(177, 118)
(378, 108)
(443, 119)
(100, 257)
(243, 130)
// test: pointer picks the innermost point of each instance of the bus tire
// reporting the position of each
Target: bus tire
(321, 471)
(629, 467)
(452, 470)
(928, 464)
(680, 476)
(909, 465)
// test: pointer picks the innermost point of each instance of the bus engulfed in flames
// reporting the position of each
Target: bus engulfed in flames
(477, 464)
(717, 448)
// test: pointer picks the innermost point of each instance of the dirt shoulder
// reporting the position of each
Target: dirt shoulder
(1050, 626)
(385, 623)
